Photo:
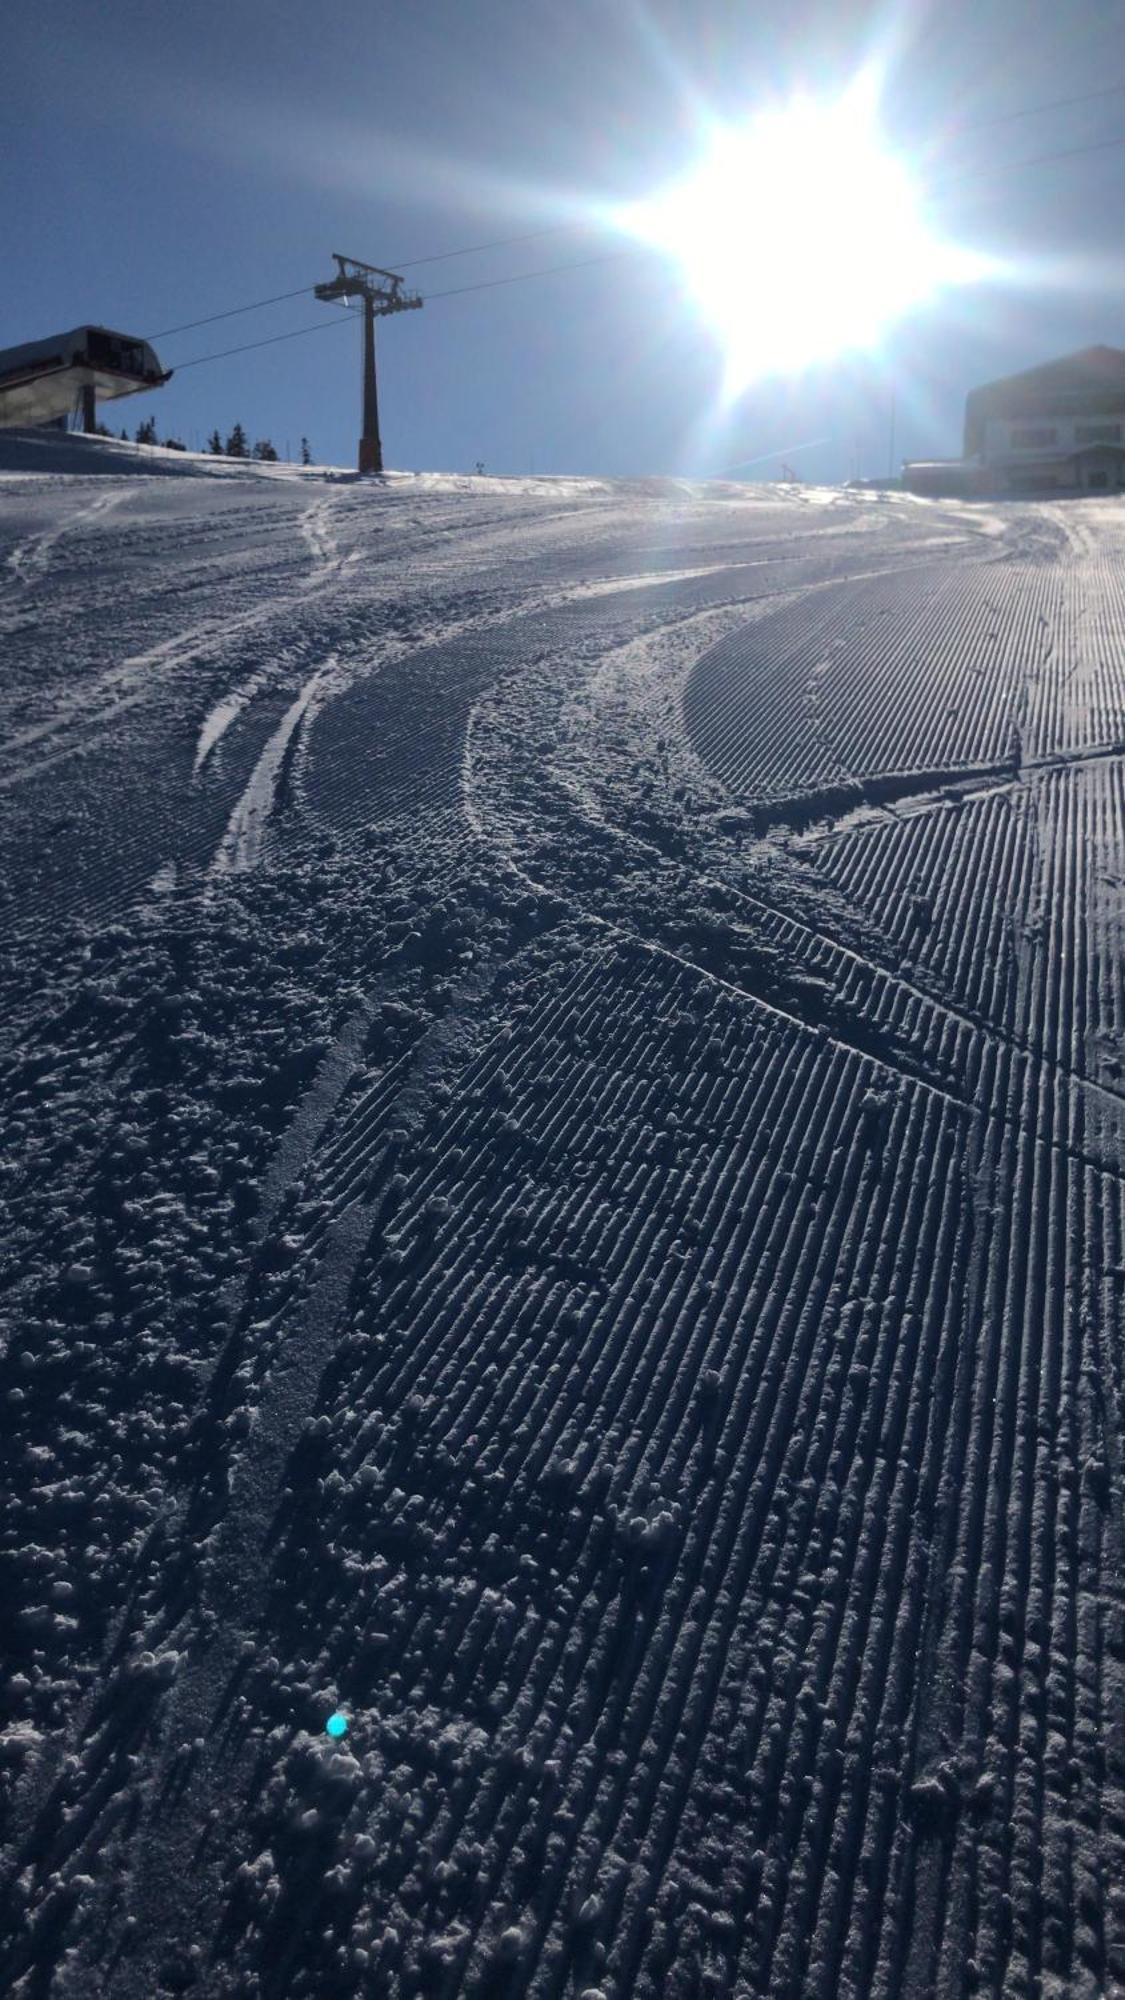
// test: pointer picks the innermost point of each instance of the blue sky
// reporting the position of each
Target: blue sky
(163, 161)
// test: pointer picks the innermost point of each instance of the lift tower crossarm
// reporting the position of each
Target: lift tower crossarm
(380, 292)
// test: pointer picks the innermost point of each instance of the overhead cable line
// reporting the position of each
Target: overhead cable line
(1034, 110)
(317, 326)
(458, 291)
(953, 183)
(560, 228)
(400, 264)
(232, 312)
(1063, 153)
(517, 277)
(497, 243)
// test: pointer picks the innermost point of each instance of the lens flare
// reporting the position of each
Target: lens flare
(800, 236)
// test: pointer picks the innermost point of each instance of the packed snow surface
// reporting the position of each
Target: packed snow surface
(562, 1050)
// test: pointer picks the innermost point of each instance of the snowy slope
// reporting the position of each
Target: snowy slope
(562, 1055)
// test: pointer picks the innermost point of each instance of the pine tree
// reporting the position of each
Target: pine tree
(174, 444)
(236, 443)
(146, 432)
(265, 451)
(215, 445)
(306, 455)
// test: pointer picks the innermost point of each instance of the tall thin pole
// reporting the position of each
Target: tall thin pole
(370, 444)
(381, 292)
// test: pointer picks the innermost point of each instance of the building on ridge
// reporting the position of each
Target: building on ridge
(1056, 428)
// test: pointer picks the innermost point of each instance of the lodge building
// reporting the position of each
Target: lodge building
(1057, 428)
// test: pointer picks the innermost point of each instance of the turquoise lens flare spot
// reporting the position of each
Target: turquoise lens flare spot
(337, 1724)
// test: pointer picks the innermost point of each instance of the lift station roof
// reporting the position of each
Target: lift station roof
(40, 381)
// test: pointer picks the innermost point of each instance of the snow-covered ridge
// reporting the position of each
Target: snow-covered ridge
(46, 451)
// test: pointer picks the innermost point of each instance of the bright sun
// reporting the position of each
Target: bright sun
(799, 236)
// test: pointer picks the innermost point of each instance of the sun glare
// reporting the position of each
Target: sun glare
(799, 236)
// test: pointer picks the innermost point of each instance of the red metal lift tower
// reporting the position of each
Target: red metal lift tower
(379, 292)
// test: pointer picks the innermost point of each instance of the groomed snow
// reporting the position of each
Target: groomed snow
(562, 1067)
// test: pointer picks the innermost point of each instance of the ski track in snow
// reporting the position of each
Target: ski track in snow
(31, 558)
(242, 844)
(566, 1197)
(318, 530)
(227, 710)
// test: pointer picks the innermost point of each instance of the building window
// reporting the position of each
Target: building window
(1097, 433)
(1033, 440)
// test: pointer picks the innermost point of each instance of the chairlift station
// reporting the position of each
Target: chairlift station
(43, 381)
